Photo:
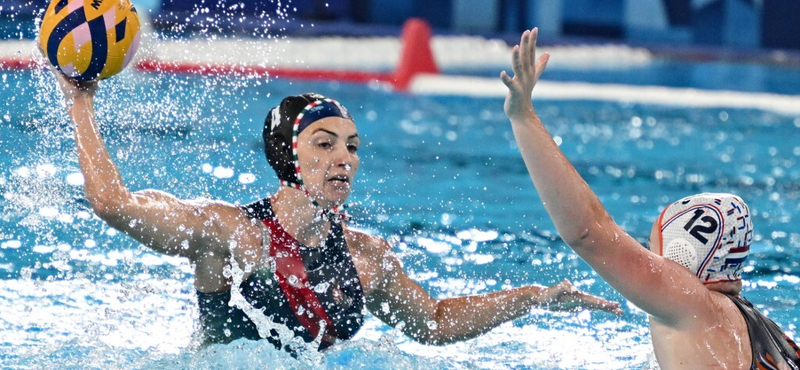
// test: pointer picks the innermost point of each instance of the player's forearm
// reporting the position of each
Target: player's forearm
(463, 318)
(102, 181)
(569, 201)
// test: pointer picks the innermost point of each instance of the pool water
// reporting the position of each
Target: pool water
(440, 177)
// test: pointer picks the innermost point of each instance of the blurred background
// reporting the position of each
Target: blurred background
(743, 26)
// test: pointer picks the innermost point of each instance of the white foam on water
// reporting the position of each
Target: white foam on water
(75, 179)
(223, 172)
(657, 95)
(154, 315)
(247, 178)
(46, 170)
(560, 341)
(150, 323)
(10, 244)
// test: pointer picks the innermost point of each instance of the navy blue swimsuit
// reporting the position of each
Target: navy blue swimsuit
(771, 347)
(308, 285)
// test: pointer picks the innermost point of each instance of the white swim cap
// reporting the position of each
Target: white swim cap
(709, 234)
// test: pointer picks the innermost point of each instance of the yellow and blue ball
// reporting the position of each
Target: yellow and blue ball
(90, 39)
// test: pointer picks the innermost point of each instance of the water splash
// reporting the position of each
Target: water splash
(306, 352)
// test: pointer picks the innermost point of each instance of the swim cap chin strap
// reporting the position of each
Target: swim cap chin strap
(313, 112)
(709, 234)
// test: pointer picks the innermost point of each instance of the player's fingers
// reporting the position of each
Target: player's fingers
(506, 79)
(532, 46)
(541, 64)
(515, 62)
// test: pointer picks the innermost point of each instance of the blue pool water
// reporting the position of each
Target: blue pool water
(440, 177)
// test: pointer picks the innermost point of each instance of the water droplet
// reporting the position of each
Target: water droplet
(247, 178)
(45, 170)
(11, 244)
(48, 212)
(321, 288)
(223, 172)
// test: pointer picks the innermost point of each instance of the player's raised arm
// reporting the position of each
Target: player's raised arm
(662, 288)
(159, 220)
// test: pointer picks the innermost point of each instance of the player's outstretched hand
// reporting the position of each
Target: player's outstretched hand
(527, 70)
(565, 297)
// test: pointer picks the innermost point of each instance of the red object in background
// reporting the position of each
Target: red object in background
(416, 55)
(254, 71)
(15, 63)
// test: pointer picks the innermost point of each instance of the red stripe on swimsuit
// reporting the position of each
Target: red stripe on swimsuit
(292, 277)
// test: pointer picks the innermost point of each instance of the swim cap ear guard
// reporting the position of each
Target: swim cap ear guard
(709, 234)
(281, 129)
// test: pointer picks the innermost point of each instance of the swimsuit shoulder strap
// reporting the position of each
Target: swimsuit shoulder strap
(767, 341)
(260, 210)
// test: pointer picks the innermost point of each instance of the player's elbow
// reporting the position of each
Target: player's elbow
(102, 207)
(108, 206)
(579, 238)
(584, 231)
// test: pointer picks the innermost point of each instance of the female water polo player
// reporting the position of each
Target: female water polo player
(303, 266)
(690, 280)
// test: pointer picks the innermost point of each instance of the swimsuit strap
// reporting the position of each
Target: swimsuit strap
(768, 342)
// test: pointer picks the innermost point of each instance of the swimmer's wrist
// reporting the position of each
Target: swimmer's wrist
(524, 116)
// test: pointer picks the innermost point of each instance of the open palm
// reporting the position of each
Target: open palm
(527, 70)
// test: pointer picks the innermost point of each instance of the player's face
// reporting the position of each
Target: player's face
(328, 155)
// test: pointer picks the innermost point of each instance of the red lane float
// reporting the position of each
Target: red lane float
(416, 57)
(253, 71)
(17, 63)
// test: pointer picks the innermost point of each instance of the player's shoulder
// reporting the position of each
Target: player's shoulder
(223, 214)
(366, 241)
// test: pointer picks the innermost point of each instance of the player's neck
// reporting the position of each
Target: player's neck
(298, 216)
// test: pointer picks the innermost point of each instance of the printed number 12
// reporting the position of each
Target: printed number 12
(708, 228)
